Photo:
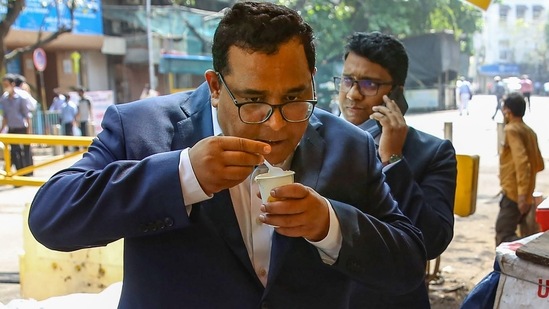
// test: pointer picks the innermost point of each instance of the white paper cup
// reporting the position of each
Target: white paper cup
(267, 182)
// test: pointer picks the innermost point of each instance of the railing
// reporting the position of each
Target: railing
(43, 122)
(18, 178)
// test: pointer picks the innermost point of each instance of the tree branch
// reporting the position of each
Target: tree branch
(5, 25)
(14, 53)
(13, 10)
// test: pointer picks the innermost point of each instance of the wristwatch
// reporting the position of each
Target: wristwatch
(392, 159)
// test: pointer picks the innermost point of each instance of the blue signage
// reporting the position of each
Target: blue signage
(504, 69)
(43, 15)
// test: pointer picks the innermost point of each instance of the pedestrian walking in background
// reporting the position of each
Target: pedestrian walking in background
(465, 95)
(58, 100)
(23, 89)
(68, 117)
(16, 118)
(519, 162)
(526, 88)
(499, 92)
(85, 113)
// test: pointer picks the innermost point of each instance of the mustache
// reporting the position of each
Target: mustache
(350, 103)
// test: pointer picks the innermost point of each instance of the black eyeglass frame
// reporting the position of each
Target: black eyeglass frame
(313, 103)
(337, 84)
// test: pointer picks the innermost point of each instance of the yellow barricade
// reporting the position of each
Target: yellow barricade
(18, 178)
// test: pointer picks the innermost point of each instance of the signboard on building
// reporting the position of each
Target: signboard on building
(501, 69)
(43, 15)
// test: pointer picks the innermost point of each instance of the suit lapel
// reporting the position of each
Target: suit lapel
(308, 156)
(218, 212)
(197, 122)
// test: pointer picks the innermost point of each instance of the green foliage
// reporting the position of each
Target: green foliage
(334, 20)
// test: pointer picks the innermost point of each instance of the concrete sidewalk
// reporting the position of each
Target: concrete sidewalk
(473, 134)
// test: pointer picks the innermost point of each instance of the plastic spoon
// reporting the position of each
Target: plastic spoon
(273, 170)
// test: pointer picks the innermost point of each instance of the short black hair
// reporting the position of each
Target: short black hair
(383, 49)
(515, 103)
(9, 77)
(260, 27)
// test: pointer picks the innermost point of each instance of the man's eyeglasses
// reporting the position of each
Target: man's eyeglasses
(255, 112)
(366, 87)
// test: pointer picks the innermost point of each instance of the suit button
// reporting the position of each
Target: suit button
(160, 225)
(168, 222)
(144, 228)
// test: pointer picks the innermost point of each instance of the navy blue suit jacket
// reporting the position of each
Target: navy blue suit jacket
(127, 186)
(428, 200)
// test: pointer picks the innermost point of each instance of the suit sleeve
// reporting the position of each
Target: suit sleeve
(378, 241)
(105, 196)
(428, 199)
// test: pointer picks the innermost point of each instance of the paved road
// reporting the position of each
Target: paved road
(472, 134)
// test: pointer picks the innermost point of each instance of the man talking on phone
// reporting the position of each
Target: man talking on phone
(420, 168)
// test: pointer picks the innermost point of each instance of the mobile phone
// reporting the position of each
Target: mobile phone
(397, 95)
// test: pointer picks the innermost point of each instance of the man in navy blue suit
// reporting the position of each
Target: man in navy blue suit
(420, 168)
(171, 175)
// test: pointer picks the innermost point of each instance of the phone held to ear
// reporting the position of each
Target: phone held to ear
(397, 95)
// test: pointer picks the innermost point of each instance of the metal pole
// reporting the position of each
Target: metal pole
(43, 96)
(448, 131)
(152, 82)
(500, 135)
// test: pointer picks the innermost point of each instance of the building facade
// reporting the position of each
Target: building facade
(73, 58)
(514, 41)
(108, 48)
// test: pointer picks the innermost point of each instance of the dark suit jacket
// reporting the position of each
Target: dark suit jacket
(127, 186)
(428, 201)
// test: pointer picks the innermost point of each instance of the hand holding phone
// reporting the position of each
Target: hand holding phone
(397, 95)
(393, 137)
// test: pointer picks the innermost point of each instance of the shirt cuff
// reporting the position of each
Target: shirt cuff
(192, 192)
(388, 166)
(330, 246)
